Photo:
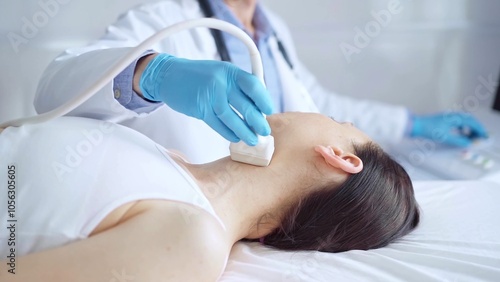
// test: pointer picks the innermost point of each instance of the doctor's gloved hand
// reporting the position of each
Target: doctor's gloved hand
(453, 128)
(205, 89)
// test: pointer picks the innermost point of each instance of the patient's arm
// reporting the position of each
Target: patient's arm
(156, 245)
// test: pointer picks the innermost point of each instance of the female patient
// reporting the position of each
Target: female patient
(94, 200)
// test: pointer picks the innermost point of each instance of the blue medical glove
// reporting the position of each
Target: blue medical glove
(456, 129)
(205, 90)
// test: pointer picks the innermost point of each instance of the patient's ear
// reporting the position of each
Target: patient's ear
(337, 158)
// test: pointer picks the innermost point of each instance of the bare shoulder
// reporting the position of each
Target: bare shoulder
(195, 241)
(198, 239)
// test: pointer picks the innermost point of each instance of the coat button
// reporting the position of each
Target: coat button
(118, 93)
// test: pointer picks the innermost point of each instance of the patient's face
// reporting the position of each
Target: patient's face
(303, 130)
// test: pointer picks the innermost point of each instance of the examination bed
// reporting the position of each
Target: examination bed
(458, 239)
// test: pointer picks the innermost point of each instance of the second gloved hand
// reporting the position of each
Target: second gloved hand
(456, 129)
(205, 89)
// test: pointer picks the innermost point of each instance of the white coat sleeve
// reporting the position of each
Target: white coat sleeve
(383, 122)
(74, 70)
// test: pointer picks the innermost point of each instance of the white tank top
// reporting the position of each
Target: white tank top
(66, 175)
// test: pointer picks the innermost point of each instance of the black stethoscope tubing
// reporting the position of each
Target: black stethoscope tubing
(221, 45)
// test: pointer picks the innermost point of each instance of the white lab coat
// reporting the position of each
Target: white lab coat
(77, 68)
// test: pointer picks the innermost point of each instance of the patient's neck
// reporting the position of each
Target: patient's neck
(241, 194)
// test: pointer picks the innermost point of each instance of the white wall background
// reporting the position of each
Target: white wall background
(428, 57)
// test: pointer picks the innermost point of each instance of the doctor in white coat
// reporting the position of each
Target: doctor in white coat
(157, 94)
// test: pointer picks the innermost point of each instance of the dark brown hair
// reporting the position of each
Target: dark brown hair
(369, 210)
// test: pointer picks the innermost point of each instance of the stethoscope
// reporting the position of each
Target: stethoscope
(221, 45)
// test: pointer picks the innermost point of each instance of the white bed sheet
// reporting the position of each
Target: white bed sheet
(458, 239)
